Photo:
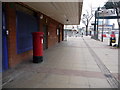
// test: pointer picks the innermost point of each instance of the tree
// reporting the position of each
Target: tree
(86, 19)
(116, 6)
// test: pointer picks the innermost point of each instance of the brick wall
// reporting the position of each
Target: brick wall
(52, 37)
(13, 57)
(52, 29)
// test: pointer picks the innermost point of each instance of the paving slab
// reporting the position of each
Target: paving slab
(69, 64)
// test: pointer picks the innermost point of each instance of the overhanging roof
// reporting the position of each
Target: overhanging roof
(64, 11)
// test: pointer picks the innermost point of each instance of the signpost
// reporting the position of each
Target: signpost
(107, 14)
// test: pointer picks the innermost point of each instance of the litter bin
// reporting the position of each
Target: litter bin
(37, 47)
(112, 38)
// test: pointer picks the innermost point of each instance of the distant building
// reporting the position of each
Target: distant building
(105, 27)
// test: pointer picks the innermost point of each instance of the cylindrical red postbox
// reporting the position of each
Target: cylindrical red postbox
(37, 47)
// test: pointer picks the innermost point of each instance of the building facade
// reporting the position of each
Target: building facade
(18, 23)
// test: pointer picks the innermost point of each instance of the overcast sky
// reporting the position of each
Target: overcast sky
(87, 4)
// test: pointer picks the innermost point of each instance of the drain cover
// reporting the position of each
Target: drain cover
(108, 75)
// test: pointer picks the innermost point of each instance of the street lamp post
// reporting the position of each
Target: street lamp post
(102, 30)
(98, 9)
(117, 7)
(119, 32)
(95, 24)
(97, 28)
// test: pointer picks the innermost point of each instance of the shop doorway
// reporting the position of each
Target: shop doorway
(58, 33)
(45, 39)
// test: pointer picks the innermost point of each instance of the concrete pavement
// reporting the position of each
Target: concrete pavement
(75, 63)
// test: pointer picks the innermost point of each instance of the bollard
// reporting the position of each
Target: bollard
(112, 38)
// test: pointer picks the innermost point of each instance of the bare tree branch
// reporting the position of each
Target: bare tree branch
(86, 19)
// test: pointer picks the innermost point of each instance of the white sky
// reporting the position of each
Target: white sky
(95, 3)
(87, 4)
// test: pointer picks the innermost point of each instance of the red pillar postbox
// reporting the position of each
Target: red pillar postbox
(37, 47)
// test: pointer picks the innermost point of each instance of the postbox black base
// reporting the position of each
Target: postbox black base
(37, 59)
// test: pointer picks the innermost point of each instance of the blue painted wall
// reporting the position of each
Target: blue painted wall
(0, 37)
(4, 43)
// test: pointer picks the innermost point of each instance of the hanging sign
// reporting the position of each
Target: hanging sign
(107, 14)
